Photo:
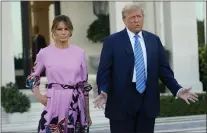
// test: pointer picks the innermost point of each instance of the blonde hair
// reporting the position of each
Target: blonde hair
(130, 7)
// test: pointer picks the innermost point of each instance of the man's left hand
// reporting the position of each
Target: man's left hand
(186, 95)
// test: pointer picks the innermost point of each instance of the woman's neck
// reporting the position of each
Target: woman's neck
(61, 45)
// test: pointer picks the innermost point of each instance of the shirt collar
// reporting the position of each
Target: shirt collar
(131, 34)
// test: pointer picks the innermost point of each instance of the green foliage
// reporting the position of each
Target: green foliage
(161, 87)
(167, 53)
(169, 106)
(13, 100)
(200, 29)
(99, 29)
(203, 65)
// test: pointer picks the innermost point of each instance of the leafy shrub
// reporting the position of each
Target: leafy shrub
(99, 29)
(13, 100)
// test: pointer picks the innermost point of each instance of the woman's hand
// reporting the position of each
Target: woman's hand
(88, 119)
(42, 99)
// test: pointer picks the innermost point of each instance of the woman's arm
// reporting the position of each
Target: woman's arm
(33, 80)
(87, 108)
(86, 89)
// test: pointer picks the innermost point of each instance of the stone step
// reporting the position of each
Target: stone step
(97, 115)
(37, 108)
(160, 127)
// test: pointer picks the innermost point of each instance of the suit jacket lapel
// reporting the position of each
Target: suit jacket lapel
(126, 40)
(148, 48)
(128, 49)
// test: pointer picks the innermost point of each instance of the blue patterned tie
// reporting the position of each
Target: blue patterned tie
(139, 66)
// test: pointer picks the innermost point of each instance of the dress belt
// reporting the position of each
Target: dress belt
(82, 85)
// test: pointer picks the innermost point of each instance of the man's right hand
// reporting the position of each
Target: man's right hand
(100, 100)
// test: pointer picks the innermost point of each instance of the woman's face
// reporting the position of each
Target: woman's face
(62, 33)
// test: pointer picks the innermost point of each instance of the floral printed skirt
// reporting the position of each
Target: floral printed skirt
(64, 112)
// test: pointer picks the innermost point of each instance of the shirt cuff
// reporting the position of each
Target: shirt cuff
(177, 93)
(104, 89)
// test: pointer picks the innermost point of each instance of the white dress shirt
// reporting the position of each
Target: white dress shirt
(141, 40)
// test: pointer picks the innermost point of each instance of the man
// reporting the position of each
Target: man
(131, 63)
(38, 42)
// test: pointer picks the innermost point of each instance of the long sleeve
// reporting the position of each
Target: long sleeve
(165, 72)
(84, 73)
(33, 80)
(105, 67)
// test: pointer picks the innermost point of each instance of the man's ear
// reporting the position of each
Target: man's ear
(124, 20)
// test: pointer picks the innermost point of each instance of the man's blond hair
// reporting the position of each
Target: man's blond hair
(131, 7)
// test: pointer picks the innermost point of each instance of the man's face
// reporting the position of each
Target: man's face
(134, 20)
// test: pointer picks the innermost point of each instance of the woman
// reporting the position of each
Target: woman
(66, 100)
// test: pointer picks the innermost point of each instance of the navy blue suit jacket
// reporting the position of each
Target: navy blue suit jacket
(116, 67)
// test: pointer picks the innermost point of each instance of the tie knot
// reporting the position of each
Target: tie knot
(136, 36)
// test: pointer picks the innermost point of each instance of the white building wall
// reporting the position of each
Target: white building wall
(205, 20)
(81, 14)
(51, 17)
(150, 17)
(0, 50)
(181, 39)
(7, 66)
(161, 24)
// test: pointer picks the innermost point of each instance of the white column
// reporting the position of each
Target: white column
(51, 17)
(0, 51)
(205, 20)
(150, 16)
(153, 20)
(181, 39)
(7, 67)
(115, 16)
(161, 24)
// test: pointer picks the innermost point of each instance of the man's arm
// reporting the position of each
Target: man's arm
(165, 72)
(105, 67)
